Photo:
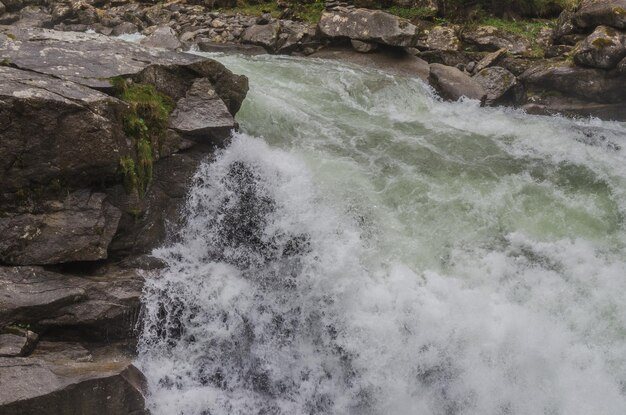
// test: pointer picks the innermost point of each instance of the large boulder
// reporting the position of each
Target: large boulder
(53, 129)
(590, 84)
(368, 26)
(265, 35)
(489, 38)
(592, 13)
(163, 37)
(452, 84)
(604, 48)
(72, 381)
(78, 228)
(500, 84)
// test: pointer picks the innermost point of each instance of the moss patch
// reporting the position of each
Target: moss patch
(146, 124)
(602, 43)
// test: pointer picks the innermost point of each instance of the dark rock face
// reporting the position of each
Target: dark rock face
(592, 13)
(39, 118)
(65, 204)
(604, 48)
(452, 84)
(368, 26)
(78, 229)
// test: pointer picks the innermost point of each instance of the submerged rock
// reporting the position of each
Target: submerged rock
(368, 26)
(452, 84)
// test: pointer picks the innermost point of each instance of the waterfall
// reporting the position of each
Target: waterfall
(362, 247)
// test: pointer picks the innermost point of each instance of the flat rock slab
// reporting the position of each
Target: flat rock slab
(13, 345)
(86, 58)
(489, 38)
(78, 229)
(368, 26)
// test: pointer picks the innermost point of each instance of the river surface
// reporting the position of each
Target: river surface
(363, 248)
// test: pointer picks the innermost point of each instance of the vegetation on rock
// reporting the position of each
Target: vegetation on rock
(146, 123)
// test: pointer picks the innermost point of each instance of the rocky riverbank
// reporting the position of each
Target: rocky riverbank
(99, 139)
(575, 66)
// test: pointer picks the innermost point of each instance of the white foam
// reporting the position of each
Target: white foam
(462, 260)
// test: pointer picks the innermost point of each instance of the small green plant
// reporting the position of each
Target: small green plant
(11, 36)
(5, 62)
(146, 123)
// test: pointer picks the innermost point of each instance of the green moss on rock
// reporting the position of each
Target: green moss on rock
(146, 124)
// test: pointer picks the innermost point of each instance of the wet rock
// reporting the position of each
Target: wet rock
(363, 47)
(3, 8)
(604, 48)
(595, 85)
(441, 38)
(163, 37)
(452, 84)
(500, 84)
(40, 117)
(368, 26)
(107, 384)
(621, 67)
(78, 228)
(489, 38)
(201, 114)
(592, 13)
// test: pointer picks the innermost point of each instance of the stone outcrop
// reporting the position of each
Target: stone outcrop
(71, 200)
(368, 26)
(452, 84)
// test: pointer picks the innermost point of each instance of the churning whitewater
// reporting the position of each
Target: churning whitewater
(362, 247)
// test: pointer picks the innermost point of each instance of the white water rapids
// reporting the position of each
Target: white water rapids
(364, 248)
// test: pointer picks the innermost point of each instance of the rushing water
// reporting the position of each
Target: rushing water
(364, 248)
